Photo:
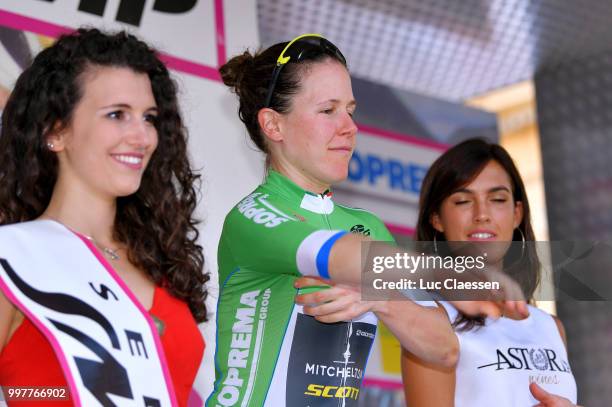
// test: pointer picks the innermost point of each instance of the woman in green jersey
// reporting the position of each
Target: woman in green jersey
(297, 103)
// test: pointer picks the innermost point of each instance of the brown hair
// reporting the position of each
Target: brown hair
(454, 169)
(156, 223)
(249, 76)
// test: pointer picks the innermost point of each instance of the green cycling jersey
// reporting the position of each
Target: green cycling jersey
(268, 351)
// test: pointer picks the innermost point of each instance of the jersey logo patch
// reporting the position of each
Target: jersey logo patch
(327, 362)
(256, 208)
(360, 229)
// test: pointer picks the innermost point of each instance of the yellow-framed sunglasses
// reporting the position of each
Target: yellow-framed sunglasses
(301, 48)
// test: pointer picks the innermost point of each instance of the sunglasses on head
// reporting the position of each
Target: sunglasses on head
(301, 48)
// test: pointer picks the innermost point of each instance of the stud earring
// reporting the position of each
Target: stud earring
(50, 145)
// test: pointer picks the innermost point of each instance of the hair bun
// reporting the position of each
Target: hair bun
(233, 71)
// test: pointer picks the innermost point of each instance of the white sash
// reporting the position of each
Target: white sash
(104, 339)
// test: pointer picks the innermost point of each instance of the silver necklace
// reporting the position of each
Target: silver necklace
(111, 253)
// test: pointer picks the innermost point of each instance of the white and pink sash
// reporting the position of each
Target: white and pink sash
(105, 341)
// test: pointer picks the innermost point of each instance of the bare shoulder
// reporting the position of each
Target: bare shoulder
(561, 329)
(7, 314)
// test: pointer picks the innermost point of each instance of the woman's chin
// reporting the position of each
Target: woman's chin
(337, 175)
(125, 190)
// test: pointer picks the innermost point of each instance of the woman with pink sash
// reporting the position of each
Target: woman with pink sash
(101, 283)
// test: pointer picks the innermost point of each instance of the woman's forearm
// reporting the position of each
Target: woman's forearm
(423, 331)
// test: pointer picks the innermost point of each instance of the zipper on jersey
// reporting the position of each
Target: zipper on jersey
(323, 195)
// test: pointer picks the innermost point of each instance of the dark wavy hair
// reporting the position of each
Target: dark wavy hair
(457, 167)
(156, 223)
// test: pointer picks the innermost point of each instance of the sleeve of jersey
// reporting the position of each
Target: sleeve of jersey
(290, 247)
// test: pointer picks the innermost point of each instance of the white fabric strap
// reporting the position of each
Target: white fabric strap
(420, 294)
(451, 311)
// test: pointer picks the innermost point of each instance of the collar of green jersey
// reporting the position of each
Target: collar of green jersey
(279, 181)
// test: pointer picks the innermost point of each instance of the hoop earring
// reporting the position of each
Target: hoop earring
(435, 242)
(523, 244)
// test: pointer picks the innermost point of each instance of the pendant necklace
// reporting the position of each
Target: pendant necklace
(110, 253)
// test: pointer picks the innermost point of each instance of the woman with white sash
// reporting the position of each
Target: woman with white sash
(100, 271)
(473, 192)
